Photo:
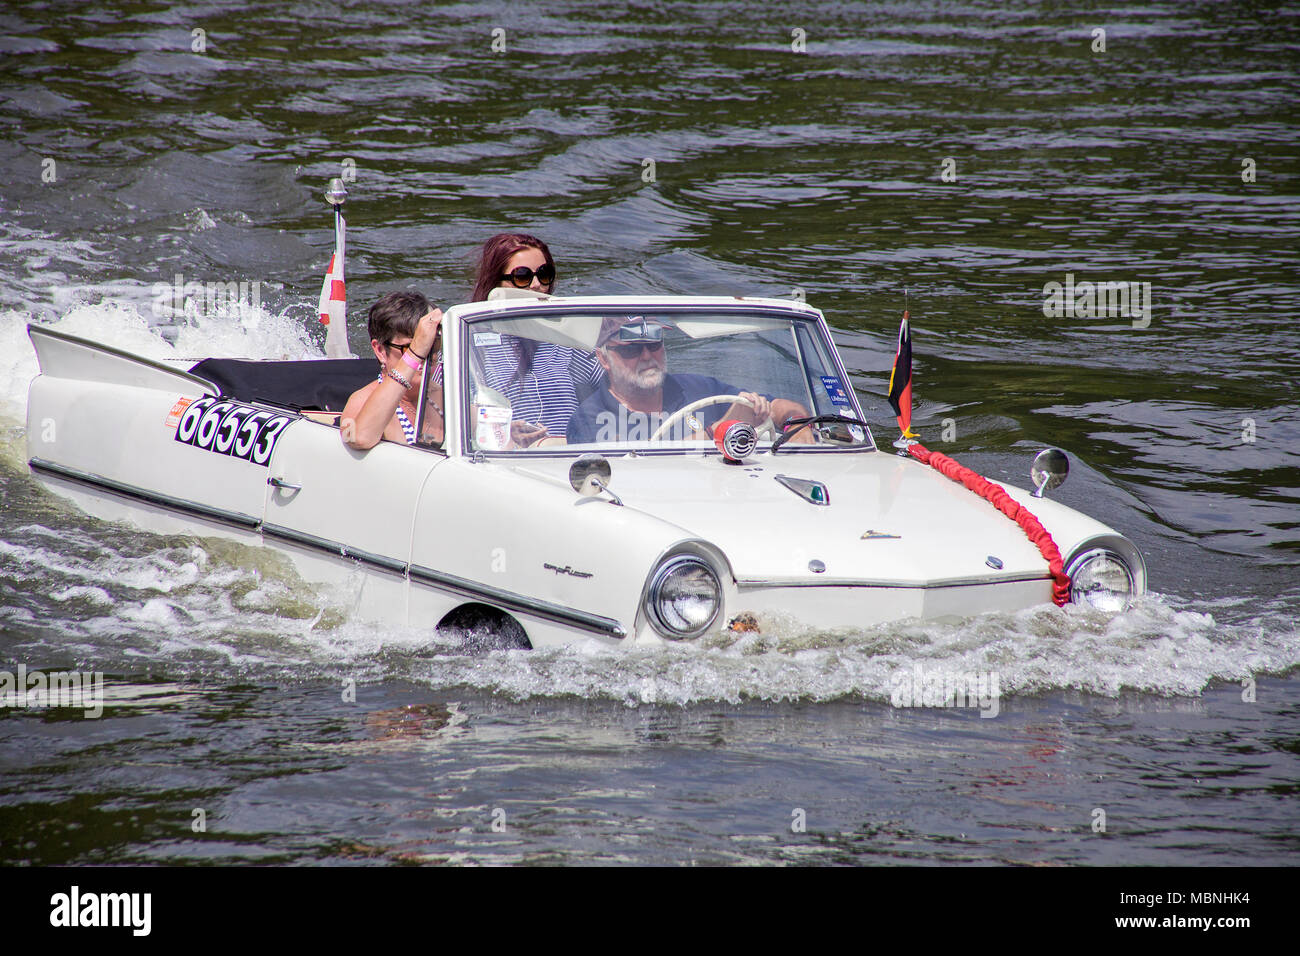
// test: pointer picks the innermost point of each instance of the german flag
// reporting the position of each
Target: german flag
(900, 380)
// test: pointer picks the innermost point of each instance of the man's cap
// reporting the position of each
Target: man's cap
(629, 328)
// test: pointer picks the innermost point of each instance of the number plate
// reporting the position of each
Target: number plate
(229, 428)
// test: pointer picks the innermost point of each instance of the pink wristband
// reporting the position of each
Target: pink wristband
(411, 362)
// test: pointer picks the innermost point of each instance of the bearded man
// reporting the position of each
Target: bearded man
(639, 393)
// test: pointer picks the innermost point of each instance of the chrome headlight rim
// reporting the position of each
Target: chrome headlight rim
(672, 565)
(1101, 551)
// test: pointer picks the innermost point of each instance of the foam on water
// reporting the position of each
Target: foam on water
(123, 320)
(209, 609)
(1153, 648)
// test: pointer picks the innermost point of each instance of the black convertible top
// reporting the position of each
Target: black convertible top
(322, 384)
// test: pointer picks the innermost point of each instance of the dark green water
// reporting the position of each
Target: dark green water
(130, 158)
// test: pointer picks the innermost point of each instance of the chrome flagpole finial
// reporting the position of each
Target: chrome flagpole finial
(337, 193)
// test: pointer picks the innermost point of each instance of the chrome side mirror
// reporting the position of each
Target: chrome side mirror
(589, 476)
(1049, 470)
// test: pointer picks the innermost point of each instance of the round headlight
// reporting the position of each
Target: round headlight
(1102, 579)
(684, 597)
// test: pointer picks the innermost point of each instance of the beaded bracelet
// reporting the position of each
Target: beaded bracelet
(399, 380)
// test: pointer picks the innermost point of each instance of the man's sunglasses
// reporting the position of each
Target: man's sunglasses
(522, 276)
(633, 349)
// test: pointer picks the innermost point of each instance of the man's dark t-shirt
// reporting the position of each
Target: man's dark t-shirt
(603, 418)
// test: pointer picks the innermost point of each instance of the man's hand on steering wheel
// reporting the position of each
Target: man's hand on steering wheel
(756, 411)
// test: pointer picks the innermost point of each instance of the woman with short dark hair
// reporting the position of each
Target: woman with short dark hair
(404, 335)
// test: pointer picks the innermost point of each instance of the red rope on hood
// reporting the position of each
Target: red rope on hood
(998, 497)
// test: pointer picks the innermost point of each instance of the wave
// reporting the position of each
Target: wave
(190, 608)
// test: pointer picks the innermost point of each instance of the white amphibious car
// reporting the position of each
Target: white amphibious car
(648, 529)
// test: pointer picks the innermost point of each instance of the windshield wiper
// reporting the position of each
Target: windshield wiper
(793, 425)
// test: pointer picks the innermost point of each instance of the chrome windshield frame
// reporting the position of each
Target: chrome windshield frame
(457, 347)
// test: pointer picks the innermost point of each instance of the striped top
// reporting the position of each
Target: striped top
(408, 429)
(547, 394)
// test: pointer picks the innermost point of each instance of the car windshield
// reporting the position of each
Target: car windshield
(659, 379)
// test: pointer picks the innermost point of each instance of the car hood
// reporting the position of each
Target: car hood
(889, 521)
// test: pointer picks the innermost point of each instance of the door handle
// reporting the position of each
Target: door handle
(281, 483)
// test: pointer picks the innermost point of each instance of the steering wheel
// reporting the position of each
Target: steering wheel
(766, 429)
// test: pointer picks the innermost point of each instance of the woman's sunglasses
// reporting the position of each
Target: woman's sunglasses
(633, 349)
(406, 346)
(522, 276)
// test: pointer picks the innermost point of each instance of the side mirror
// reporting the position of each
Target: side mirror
(1049, 470)
(589, 476)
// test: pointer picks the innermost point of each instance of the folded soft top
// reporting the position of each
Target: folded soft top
(315, 384)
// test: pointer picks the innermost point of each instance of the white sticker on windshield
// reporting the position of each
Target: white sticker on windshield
(493, 427)
(487, 338)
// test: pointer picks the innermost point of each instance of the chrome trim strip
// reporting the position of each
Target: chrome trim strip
(143, 494)
(649, 451)
(801, 312)
(333, 547)
(517, 602)
(821, 582)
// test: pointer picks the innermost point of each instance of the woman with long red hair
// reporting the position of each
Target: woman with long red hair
(540, 379)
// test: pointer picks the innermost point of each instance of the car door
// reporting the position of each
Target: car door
(347, 516)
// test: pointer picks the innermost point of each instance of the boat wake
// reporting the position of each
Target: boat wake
(124, 320)
(1153, 648)
(184, 608)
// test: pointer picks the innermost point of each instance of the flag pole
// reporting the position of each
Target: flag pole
(900, 386)
(333, 294)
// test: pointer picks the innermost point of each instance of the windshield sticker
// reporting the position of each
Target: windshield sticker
(493, 427)
(229, 428)
(839, 398)
(487, 338)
